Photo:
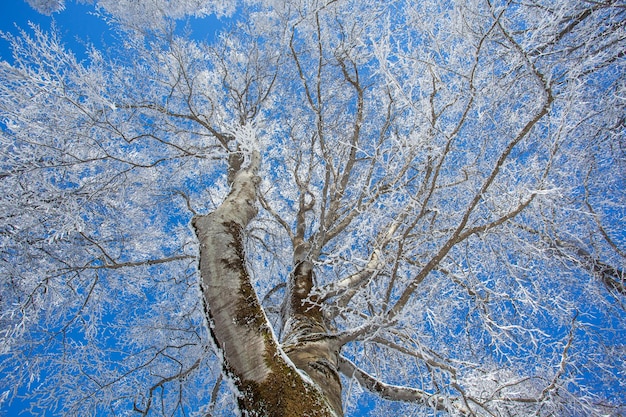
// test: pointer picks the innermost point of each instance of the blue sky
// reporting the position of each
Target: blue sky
(77, 24)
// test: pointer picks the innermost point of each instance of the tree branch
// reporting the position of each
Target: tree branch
(400, 393)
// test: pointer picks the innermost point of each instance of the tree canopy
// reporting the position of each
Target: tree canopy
(449, 176)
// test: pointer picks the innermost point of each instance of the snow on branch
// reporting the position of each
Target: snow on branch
(399, 393)
(47, 7)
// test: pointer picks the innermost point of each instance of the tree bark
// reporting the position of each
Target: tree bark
(268, 382)
(307, 340)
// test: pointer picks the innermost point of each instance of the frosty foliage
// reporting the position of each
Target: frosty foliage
(154, 13)
(146, 14)
(457, 169)
(47, 6)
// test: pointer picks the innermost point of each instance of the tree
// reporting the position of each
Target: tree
(419, 200)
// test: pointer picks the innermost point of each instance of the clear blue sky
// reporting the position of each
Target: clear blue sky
(77, 24)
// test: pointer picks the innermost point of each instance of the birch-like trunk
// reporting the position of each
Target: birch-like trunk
(268, 382)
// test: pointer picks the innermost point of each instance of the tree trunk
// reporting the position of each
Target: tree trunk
(268, 382)
(307, 341)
